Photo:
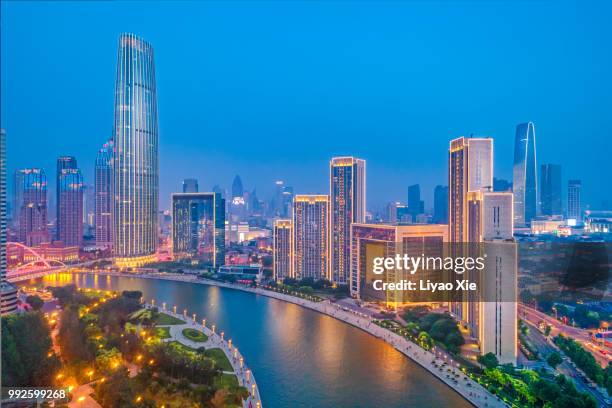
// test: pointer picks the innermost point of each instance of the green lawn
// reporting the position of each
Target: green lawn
(195, 335)
(226, 380)
(165, 320)
(162, 332)
(182, 347)
(219, 358)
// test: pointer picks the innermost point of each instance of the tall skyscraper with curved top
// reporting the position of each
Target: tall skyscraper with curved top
(525, 175)
(135, 162)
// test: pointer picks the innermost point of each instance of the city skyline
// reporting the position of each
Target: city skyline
(224, 146)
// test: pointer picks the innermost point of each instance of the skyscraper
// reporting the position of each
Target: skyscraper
(198, 228)
(283, 250)
(17, 198)
(104, 195)
(574, 210)
(190, 185)
(525, 175)
(348, 201)
(63, 162)
(311, 236)
(135, 162)
(470, 169)
(70, 205)
(415, 205)
(33, 207)
(8, 292)
(440, 205)
(550, 190)
(237, 189)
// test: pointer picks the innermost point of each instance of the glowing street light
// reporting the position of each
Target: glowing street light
(164, 306)
(174, 309)
(194, 317)
(253, 389)
(204, 322)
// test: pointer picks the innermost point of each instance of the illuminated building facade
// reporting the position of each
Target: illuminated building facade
(33, 207)
(348, 205)
(104, 196)
(8, 292)
(369, 241)
(70, 205)
(524, 173)
(311, 236)
(283, 250)
(470, 169)
(135, 162)
(574, 211)
(198, 228)
(63, 163)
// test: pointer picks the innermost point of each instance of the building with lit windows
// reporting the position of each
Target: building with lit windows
(198, 228)
(135, 160)
(311, 237)
(8, 292)
(104, 196)
(348, 205)
(470, 169)
(282, 250)
(574, 211)
(525, 174)
(70, 206)
(33, 208)
(369, 241)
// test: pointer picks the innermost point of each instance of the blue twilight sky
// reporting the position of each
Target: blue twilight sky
(271, 90)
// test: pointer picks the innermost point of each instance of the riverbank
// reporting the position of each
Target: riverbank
(451, 376)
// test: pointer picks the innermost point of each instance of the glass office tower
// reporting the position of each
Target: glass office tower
(135, 162)
(198, 228)
(525, 175)
(104, 195)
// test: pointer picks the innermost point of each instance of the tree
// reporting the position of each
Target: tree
(72, 338)
(425, 340)
(554, 359)
(35, 302)
(488, 360)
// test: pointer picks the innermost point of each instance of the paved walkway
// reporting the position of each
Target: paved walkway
(217, 340)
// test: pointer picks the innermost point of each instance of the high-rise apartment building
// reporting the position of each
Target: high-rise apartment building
(348, 205)
(135, 160)
(17, 197)
(440, 215)
(470, 169)
(198, 228)
(311, 237)
(70, 205)
(104, 196)
(574, 210)
(63, 162)
(8, 292)
(190, 185)
(33, 207)
(525, 175)
(283, 250)
(550, 190)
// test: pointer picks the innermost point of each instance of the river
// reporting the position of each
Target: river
(300, 358)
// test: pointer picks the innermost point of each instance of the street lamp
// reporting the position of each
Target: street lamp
(222, 334)
(164, 306)
(213, 329)
(174, 309)
(248, 375)
(204, 322)
(194, 317)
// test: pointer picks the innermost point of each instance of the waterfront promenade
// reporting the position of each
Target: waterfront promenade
(463, 385)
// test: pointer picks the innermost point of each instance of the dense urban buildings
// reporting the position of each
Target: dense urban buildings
(33, 207)
(311, 236)
(470, 169)
(198, 228)
(135, 162)
(8, 292)
(282, 250)
(440, 215)
(550, 190)
(348, 205)
(190, 185)
(524, 175)
(70, 205)
(574, 211)
(104, 196)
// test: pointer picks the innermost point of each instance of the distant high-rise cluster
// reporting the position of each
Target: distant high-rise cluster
(525, 173)
(135, 159)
